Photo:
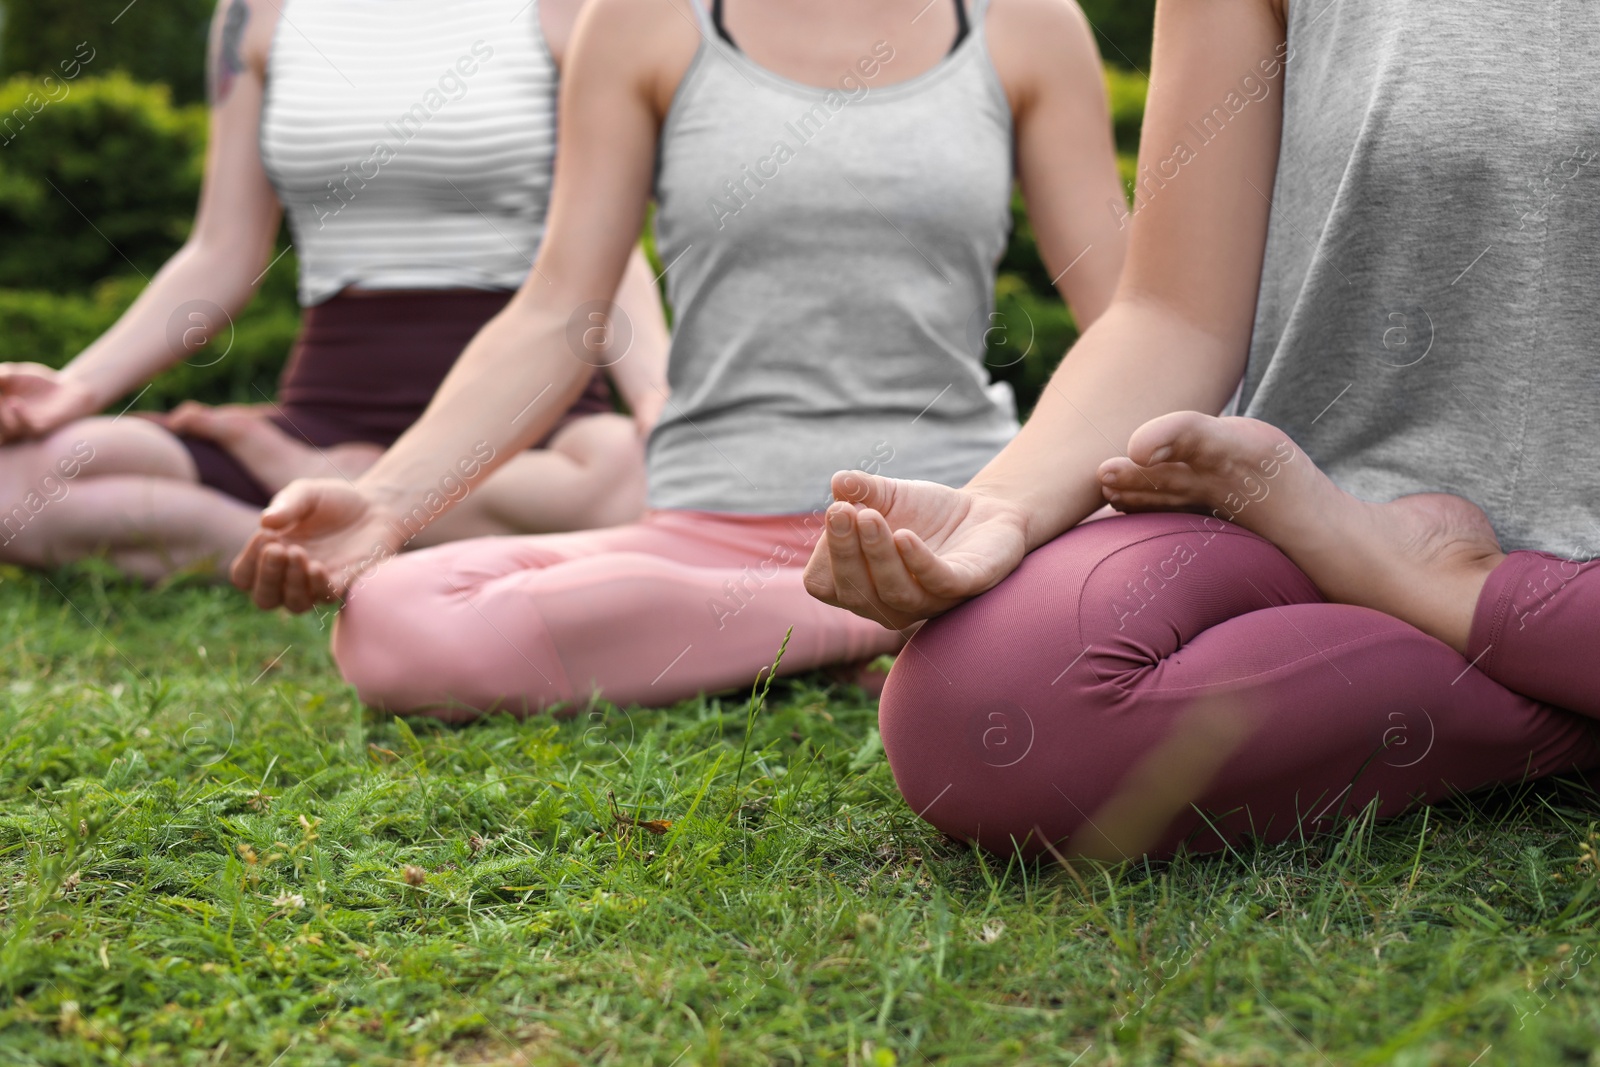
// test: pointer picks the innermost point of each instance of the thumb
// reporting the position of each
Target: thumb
(292, 504)
(868, 490)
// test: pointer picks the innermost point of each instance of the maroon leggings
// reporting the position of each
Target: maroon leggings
(363, 369)
(1148, 682)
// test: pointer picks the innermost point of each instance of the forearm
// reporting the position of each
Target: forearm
(640, 374)
(191, 298)
(507, 390)
(1137, 362)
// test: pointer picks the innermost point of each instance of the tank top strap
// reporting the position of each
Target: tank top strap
(703, 19)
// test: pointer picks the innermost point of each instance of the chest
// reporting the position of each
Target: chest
(355, 87)
(787, 165)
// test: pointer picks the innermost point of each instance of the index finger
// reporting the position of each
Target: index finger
(12, 426)
(243, 570)
(299, 586)
(268, 589)
(892, 582)
(852, 581)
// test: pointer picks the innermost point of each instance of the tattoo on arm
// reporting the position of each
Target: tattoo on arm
(229, 60)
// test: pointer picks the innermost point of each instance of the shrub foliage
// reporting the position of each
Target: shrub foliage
(101, 181)
(161, 42)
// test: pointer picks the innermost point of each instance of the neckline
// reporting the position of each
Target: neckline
(946, 63)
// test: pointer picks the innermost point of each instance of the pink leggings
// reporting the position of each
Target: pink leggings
(1152, 681)
(678, 604)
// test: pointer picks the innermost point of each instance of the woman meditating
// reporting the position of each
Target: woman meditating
(832, 184)
(412, 148)
(1372, 589)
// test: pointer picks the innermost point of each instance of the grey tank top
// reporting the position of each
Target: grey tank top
(830, 255)
(1429, 317)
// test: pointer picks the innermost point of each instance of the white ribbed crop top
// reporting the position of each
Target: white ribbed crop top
(410, 141)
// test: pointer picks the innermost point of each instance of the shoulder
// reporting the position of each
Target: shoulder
(556, 18)
(649, 42)
(239, 44)
(559, 18)
(638, 22)
(1056, 27)
(241, 34)
(1038, 43)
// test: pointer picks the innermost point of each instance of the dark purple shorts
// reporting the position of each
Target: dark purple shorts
(364, 368)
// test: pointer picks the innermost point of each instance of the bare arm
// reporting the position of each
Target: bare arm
(604, 162)
(1177, 333)
(1174, 338)
(526, 366)
(640, 370)
(215, 271)
(640, 373)
(1066, 161)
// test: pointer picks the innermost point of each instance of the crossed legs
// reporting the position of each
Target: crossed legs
(1165, 678)
(121, 487)
(127, 489)
(590, 473)
(679, 603)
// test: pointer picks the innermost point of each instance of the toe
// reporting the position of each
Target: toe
(1181, 436)
(1175, 480)
(1142, 500)
(1120, 473)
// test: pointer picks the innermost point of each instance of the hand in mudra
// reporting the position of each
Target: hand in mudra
(900, 551)
(36, 400)
(317, 538)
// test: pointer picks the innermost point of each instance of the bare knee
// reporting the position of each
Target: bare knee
(123, 445)
(36, 476)
(610, 455)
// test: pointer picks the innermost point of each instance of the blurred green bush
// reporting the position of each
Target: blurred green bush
(239, 365)
(1122, 30)
(1126, 91)
(161, 42)
(97, 189)
(1032, 328)
(101, 181)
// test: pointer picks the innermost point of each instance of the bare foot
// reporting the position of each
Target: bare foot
(273, 457)
(1423, 559)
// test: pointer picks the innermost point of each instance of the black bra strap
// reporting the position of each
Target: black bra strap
(716, 22)
(963, 27)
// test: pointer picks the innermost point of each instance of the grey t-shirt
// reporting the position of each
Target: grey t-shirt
(831, 258)
(1428, 311)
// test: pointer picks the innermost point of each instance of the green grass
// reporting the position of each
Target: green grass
(204, 845)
